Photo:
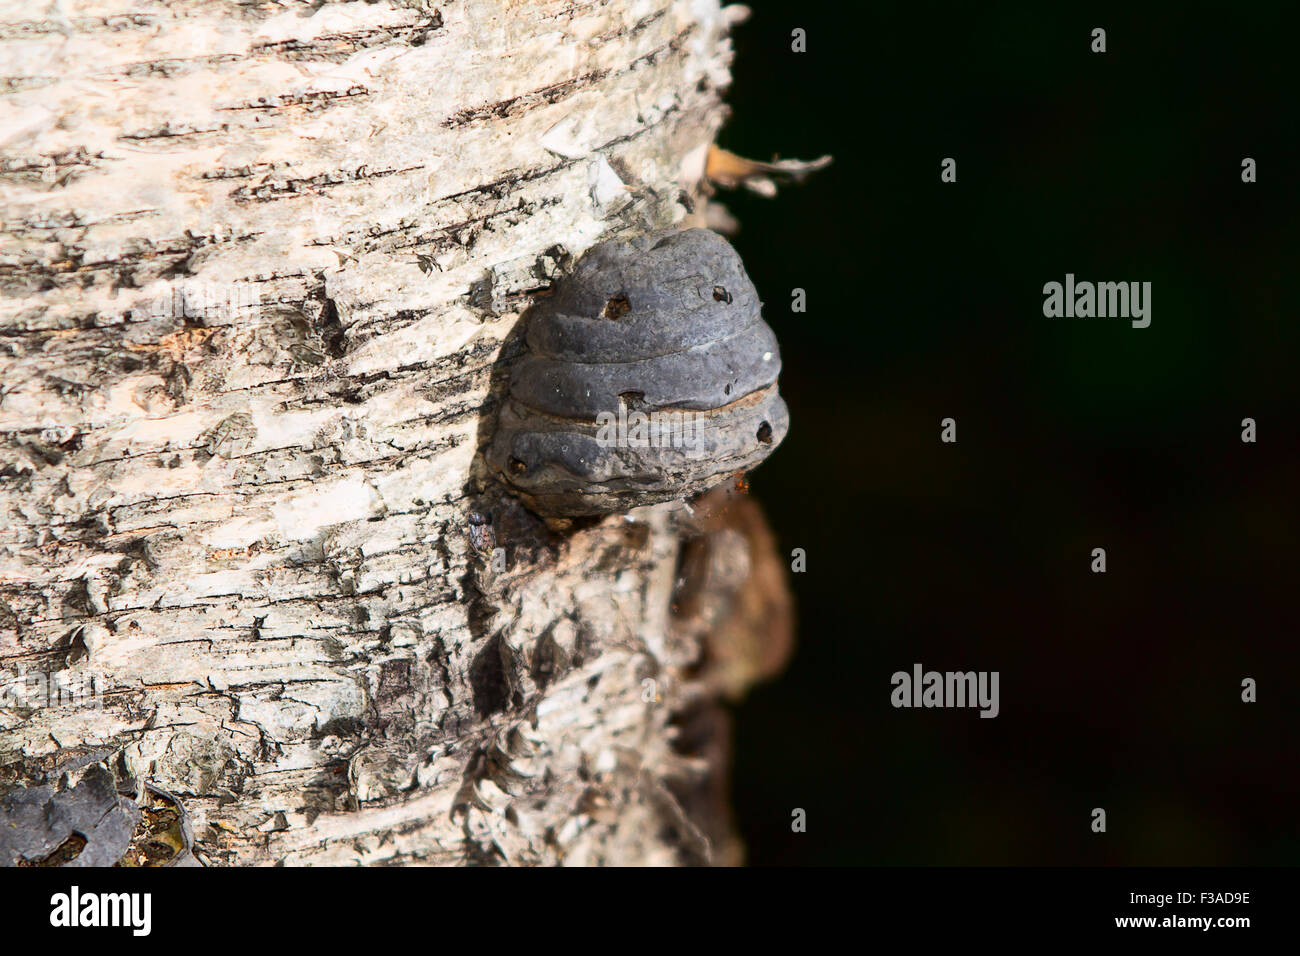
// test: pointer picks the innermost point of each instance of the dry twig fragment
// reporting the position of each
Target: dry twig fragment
(729, 171)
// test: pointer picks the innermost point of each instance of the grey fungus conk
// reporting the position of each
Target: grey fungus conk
(649, 375)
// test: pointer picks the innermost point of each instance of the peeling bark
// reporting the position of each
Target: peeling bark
(257, 267)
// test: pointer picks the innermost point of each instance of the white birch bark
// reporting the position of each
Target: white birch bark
(257, 263)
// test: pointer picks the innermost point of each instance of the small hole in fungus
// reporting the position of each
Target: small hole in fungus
(616, 308)
(726, 390)
(765, 433)
(517, 467)
(721, 295)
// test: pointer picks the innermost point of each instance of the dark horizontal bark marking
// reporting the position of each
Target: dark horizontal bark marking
(20, 84)
(639, 27)
(672, 46)
(24, 29)
(239, 172)
(174, 66)
(502, 186)
(167, 131)
(55, 169)
(331, 48)
(545, 96)
(518, 105)
(290, 188)
(336, 47)
(70, 219)
(317, 98)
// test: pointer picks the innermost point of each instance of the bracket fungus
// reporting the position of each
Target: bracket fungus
(649, 375)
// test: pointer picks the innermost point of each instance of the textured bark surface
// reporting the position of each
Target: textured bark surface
(257, 264)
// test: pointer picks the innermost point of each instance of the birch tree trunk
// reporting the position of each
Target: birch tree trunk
(258, 261)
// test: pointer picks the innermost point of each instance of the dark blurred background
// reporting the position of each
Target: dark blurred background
(925, 301)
